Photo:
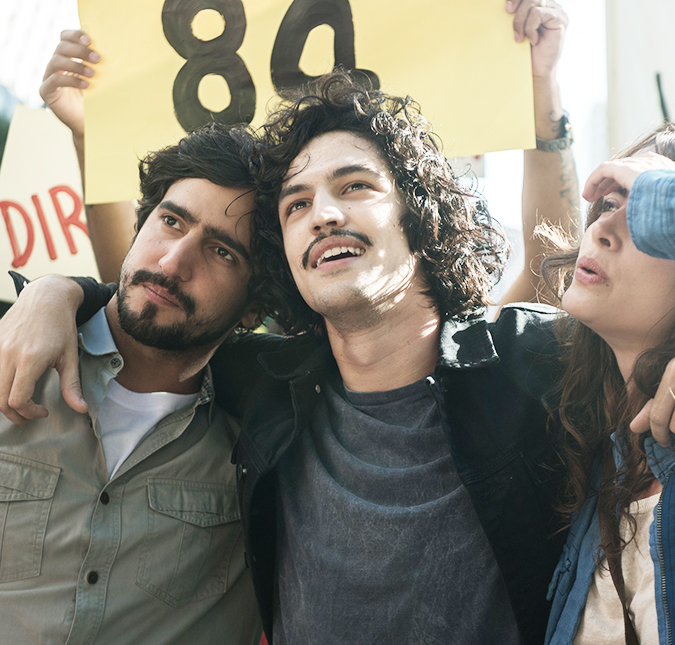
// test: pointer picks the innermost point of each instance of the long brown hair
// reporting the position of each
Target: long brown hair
(594, 401)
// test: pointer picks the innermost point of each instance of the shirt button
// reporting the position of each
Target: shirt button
(90, 422)
(92, 577)
(317, 387)
(241, 471)
(105, 498)
(115, 363)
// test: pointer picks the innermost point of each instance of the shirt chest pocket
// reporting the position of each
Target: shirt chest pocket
(26, 494)
(193, 546)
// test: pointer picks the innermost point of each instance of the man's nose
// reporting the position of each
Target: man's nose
(179, 259)
(326, 213)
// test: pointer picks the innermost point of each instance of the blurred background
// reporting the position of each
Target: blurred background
(613, 52)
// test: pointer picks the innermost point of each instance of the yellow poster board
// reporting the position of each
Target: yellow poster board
(42, 228)
(169, 65)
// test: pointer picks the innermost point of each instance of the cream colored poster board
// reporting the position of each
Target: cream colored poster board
(169, 65)
(43, 228)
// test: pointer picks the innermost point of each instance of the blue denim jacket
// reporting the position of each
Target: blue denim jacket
(573, 577)
(651, 219)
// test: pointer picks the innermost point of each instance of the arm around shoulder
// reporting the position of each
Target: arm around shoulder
(39, 332)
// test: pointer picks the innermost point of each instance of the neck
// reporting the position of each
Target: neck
(626, 361)
(395, 350)
(627, 350)
(147, 369)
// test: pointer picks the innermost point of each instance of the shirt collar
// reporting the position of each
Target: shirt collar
(96, 339)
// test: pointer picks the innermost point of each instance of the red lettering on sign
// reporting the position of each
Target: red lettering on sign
(73, 219)
(45, 229)
(19, 258)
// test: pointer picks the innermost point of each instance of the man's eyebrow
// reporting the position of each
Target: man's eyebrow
(342, 171)
(622, 191)
(179, 210)
(209, 231)
(227, 240)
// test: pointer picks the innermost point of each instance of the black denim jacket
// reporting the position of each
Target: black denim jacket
(489, 382)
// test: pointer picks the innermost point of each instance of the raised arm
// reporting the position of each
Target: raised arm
(110, 226)
(550, 188)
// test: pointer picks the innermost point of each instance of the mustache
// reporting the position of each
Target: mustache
(335, 232)
(159, 279)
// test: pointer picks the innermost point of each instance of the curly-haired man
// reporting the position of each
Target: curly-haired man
(394, 475)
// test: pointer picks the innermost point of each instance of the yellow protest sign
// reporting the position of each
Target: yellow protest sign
(43, 222)
(170, 65)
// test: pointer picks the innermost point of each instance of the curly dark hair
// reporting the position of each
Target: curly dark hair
(594, 400)
(462, 251)
(221, 154)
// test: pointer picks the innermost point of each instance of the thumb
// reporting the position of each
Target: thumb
(69, 377)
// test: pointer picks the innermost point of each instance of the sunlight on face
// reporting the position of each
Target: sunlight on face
(340, 212)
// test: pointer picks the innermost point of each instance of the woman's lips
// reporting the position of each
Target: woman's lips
(589, 271)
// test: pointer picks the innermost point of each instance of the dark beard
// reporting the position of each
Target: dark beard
(180, 337)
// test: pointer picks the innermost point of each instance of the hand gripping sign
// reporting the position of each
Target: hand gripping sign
(172, 65)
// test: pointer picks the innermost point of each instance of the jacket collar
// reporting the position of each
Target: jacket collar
(466, 344)
(462, 345)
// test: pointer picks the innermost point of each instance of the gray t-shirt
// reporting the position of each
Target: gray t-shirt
(378, 541)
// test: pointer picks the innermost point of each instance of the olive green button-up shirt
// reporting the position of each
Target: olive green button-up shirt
(153, 556)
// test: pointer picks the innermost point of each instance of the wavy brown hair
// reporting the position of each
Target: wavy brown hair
(594, 400)
(462, 251)
(215, 152)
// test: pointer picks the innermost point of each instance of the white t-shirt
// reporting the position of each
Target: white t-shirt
(127, 417)
(602, 620)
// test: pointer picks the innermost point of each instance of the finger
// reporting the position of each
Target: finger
(662, 408)
(69, 376)
(595, 189)
(64, 65)
(76, 36)
(519, 19)
(532, 24)
(57, 81)
(29, 411)
(76, 50)
(22, 390)
(6, 379)
(15, 417)
(600, 177)
(541, 19)
(640, 423)
(511, 6)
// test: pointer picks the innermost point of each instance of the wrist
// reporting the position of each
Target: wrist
(64, 289)
(561, 139)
